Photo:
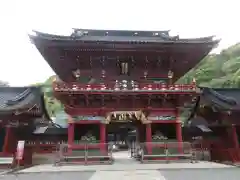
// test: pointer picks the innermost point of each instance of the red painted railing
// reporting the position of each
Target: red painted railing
(43, 147)
(61, 86)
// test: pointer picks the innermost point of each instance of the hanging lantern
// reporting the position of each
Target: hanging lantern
(149, 87)
(77, 73)
(145, 74)
(103, 87)
(124, 84)
(170, 74)
(176, 87)
(193, 87)
(89, 87)
(132, 84)
(116, 86)
(136, 87)
(74, 87)
(163, 87)
(103, 73)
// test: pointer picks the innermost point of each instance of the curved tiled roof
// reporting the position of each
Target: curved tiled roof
(224, 99)
(22, 99)
(74, 50)
(122, 36)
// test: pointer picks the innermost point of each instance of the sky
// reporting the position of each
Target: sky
(22, 65)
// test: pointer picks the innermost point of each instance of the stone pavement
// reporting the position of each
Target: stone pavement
(174, 174)
(123, 167)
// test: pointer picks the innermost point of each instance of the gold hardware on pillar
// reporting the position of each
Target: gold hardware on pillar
(170, 76)
(120, 117)
(130, 115)
(124, 116)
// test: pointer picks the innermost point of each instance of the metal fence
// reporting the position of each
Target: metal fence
(84, 154)
(145, 152)
(166, 151)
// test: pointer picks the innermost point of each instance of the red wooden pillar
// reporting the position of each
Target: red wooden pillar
(179, 131)
(179, 136)
(149, 138)
(103, 137)
(70, 136)
(7, 140)
(12, 139)
(234, 136)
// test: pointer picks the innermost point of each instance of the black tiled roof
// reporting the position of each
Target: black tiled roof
(81, 41)
(95, 32)
(223, 99)
(51, 131)
(24, 99)
(198, 120)
(121, 36)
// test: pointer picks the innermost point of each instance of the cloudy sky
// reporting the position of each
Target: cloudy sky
(21, 64)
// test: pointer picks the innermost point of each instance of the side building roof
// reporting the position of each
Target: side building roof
(15, 101)
(218, 99)
(221, 99)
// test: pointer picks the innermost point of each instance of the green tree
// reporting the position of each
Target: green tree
(217, 70)
(53, 105)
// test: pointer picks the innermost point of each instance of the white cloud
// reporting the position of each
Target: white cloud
(21, 64)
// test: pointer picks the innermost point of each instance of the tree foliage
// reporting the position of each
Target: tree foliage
(52, 104)
(217, 70)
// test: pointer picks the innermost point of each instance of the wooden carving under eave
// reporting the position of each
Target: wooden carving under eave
(123, 115)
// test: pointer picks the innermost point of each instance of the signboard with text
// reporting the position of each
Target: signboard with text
(20, 150)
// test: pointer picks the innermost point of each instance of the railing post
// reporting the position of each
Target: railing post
(149, 138)
(70, 136)
(179, 136)
(235, 136)
(7, 140)
(86, 153)
(166, 152)
(103, 137)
